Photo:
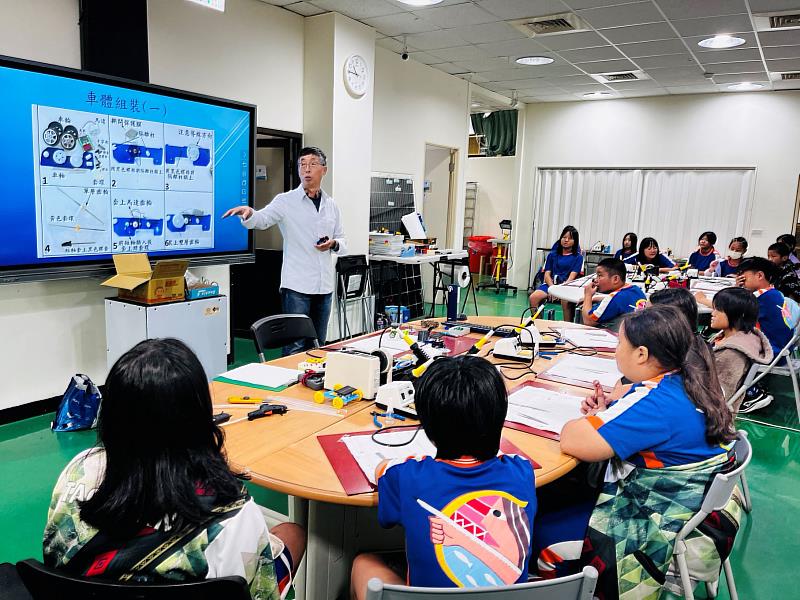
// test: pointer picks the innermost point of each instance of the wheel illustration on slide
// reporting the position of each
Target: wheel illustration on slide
(52, 134)
(59, 157)
(69, 139)
(192, 153)
(179, 221)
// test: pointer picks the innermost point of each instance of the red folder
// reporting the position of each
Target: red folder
(550, 435)
(352, 477)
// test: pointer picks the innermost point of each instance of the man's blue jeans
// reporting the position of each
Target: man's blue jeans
(316, 306)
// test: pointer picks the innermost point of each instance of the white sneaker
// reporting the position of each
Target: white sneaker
(752, 404)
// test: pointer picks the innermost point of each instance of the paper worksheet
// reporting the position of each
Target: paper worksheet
(260, 374)
(543, 409)
(587, 369)
(590, 338)
(369, 454)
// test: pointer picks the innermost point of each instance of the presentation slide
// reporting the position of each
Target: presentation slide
(92, 169)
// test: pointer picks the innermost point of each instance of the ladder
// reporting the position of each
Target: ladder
(469, 210)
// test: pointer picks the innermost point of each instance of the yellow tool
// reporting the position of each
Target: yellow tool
(244, 400)
(479, 344)
(418, 371)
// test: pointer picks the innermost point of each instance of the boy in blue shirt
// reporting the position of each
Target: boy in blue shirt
(467, 513)
(622, 298)
(774, 313)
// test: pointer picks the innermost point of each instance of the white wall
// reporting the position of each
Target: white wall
(721, 130)
(253, 53)
(496, 191)
(417, 105)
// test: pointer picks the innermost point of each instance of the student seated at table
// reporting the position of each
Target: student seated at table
(158, 485)
(733, 258)
(738, 344)
(705, 254)
(622, 298)
(650, 254)
(563, 264)
(666, 439)
(791, 241)
(785, 279)
(680, 298)
(628, 248)
(466, 512)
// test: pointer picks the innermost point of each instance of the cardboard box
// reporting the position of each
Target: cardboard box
(135, 280)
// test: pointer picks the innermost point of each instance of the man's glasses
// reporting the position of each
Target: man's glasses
(310, 165)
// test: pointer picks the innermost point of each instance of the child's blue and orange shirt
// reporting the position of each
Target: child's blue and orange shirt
(617, 303)
(774, 317)
(468, 523)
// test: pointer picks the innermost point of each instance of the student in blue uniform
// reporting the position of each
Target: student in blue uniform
(622, 298)
(791, 241)
(673, 416)
(727, 268)
(774, 314)
(650, 254)
(628, 249)
(705, 254)
(564, 263)
(467, 512)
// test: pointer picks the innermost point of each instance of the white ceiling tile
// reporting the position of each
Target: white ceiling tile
(643, 93)
(677, 76)
(573, 80)
(639, 33)
(359, 9)
(458, 53)
(483, 65)
(713, 25)
(495, 87)
(570, 41)
(515, 74)
(448, 68)
(665, 61)
(643, 84)
(624, 14)
(748, 37)
(653, 48)
(565, 98)
(459, 15)
(741, 77)
(790, 37)
(519, 9)
(782, 52)
(732, 55)
(424, 58)
(400, 24)
(543, 89)
(790, 84)
(752, 66)
(433, 40)
(583, 4)
(524, 84)
(772, 5)
(693, 9)
(392, 44)
(585, 89)
(608, 66)
(524, 47)
(781, 66)
(490, 32)
(691, 89)
(279, 2)
(591, 54)
(304, 8)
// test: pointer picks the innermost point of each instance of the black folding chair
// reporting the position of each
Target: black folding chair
(281, 330)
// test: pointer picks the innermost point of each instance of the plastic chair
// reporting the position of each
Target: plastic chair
(11, 584)
(44, 583)
(717, 496)
(281, 330)
(572, 587)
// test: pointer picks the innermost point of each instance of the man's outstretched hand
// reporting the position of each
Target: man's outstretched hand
(243, 211)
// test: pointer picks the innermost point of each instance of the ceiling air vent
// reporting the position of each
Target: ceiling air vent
(784, 21)
(550, 24)
(787, 76)
(620, 76)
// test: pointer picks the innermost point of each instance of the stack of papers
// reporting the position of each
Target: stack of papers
(586, 369)
(543, 409)
(590, 338)
(259, 375)
(369, 454)
(385, 244)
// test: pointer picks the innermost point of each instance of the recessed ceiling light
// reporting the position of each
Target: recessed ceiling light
(721, 41)
(421, 2)
(598, 95)
(534, 60)
(745, 86)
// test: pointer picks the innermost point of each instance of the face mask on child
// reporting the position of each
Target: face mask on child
(735, 255)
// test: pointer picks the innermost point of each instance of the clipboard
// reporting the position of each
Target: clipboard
(352, 477)
(574, 382)
(550, 435)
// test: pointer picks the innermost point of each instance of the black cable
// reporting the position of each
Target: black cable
(392, 428)
(312, 355)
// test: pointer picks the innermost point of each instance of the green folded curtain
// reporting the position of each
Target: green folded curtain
(500, 129)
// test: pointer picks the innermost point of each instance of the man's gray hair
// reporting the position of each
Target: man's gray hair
(313, 151)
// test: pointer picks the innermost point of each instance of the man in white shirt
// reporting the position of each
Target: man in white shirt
(311, 225)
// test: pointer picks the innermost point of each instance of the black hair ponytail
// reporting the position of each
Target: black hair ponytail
(665, 333)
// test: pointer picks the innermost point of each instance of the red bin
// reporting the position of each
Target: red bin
(478, 245)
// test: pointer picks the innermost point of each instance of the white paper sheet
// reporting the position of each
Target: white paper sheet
(261, 374)
(543, 409)
(587, 369)
(369, 455)
(590, 338)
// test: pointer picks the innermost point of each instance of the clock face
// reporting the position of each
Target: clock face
(356, 75)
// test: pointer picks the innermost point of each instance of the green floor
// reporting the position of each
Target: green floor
(33, 456)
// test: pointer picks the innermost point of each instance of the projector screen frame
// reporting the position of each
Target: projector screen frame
(103, 267)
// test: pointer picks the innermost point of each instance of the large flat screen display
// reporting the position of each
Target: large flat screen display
(93, 166)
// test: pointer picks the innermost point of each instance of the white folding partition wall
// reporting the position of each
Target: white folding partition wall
(672, 205)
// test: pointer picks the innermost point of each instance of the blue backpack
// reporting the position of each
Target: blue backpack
(79, 406)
